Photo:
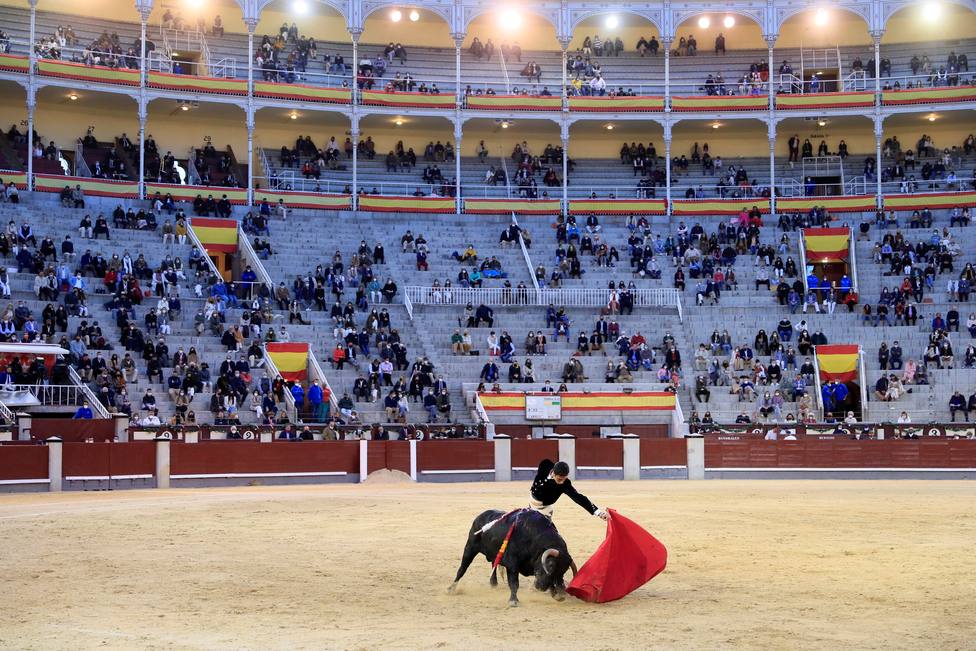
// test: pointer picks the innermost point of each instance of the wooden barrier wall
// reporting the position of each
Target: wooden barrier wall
(108, 459)
(840, 453)
(67, 429)
(23, 462)
(602, 453)
(455, 455)
(527, 453)
(252, 457)
(663, 452)
(394, 455)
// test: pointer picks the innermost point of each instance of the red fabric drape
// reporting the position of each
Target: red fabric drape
(628, 558)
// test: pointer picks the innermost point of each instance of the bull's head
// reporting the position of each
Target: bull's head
(550, 570)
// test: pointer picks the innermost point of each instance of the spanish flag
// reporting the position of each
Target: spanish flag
(578, 401)
(838, 362)
(291, 360)
(216, 234)
(826, 244)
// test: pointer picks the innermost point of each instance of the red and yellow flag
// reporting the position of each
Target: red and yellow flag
(838, 362)
(576, 401)
(291, 360)
(216, 234)
(826, 244)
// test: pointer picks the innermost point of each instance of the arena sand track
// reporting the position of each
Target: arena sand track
(755, 565)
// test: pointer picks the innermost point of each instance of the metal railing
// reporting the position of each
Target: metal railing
(290, 408)
(203, 251)
(853, 253)
(408, 305)
(248, 256)
(63, 395)
(863, 380)
(81, 165)
(666, 297)
(6, 415)
(803, 258)
(816, 384)
(100, 410)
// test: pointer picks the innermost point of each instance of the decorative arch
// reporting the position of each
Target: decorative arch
(341, 7)
(892, 8)
(656, 18)
(862, 11)
(680, 16)
(443, 10)
(469, 14)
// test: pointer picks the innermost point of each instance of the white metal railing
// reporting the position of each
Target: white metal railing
(816, 385)
(508, 82)
(856, 81)
(203, 251)
(790, 188)
(525, 255)
(790, 83)
(857, 185)
(100, 410)
(817, 165)
(192, 172)
(63, 395)
(408, 305)
(563, 296)
(803, 260)
(250, 257)
(273, 372)
(853, 253)
(6, 415)
(81, 166)
(862, 383)
(679, 427)
(480, 409)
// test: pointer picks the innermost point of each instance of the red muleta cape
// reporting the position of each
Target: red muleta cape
(628, 558)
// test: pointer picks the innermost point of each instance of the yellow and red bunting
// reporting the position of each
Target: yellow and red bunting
(91, 187)
(858, 203)
(505, 206)
(195, 84)
(406, 204)
(313, 200)
(215, 234)
(717, 206)
(237, 196)
(291, 360)
(619, 104)
(14, 63)
(81, 72)
(302, 92)
(577, 401)
(415, 100)
(618, 206)
(928, 95)
(838, 362)
(720, 103)
(931, 200)
(826, 244)
(788, 101)
(514, 102)
(18, 178)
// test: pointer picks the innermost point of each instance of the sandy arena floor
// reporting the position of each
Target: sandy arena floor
(753, 565)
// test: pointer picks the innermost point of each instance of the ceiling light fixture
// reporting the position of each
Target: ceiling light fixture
(398, 122)
(73, 96)
(504, 125)
(510, 19)
(821, 17)
(414, 15)
(716, 125)
(612, 22)
(932, 117)
(821, 123)
(300, 7)
(609, 127)
(704, 22)
(396, 15)
(293, 115)
(729, 22)
(932, 11)
(184, 107)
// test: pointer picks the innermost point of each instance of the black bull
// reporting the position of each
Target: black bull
(534, 549)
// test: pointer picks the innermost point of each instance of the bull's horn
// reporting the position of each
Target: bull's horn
(572, 566)
(545, 556)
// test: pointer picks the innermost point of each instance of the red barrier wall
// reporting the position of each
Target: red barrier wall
(656, 431)
(600, 452)
(663, 452)
(527, 453)
(394, 455)
(224, 457)
(840, 453)
(108, 459)
(455, 455)
(23, 462)
(67, 429)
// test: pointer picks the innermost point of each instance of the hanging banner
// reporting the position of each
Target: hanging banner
(838, 362)
(514, 102)
(928, 95)
(720, 103)
(789, 101)
(194, 84)
(18, 178)
(860, 203)
(826, 244)
(291, 360)
(81, 72)
(302, 92)
(406, 204)
(931, 200)
(215, 234)
(90, 186)
(314, 200)
(519, 206)
(598, 401)
(618, 104)
(618, 206)
(717, 206)
(14, 63)
(414, 100)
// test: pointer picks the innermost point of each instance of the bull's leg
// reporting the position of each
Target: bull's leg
(470, 551)
(513, 584)
(494, 575)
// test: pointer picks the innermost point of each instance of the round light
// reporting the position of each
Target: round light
(396, 15)
(932, 118)
(716, 125)
(510, 19)
(821, 123)
(73, 96)
(704, 22)
(414, 15)
(293, 116)
(609, 127)
(932, 11)
(612, 22)
(729, 22)
(184, 108)
(821, 17)
(504, 125)
(398, 122)
(300, 7)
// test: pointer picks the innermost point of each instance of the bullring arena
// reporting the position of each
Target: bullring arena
(753, 565)
(302, 302)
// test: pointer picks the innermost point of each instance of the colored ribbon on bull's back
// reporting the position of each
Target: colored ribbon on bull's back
(838, 362)
(826, 244)
(628, 558)
(291, 360)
